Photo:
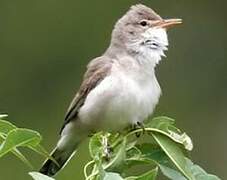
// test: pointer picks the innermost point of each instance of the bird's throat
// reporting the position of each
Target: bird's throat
(149, 58)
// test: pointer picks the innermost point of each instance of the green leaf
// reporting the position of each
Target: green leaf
(39, 176)
(183, 139)
(174, 152)
(18, 154)
(150, 175)
(198, 172)
(146, 153)
(19, 137)
(165, 125)
(155, 153)
(41, 150)
(134, 157)
(95, 145)
(6, 127)
(119, 159)
(131, 144)
(112, 176)
(171, 173)
(102, 173)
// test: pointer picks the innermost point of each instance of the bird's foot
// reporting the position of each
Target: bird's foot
(139, 125)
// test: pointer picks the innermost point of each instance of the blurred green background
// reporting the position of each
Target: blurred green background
(46, 44)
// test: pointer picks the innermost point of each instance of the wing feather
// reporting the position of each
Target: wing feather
(97, 70)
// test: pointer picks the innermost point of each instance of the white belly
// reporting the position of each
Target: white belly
(119, 101)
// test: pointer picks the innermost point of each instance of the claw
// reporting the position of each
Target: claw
(139, 125)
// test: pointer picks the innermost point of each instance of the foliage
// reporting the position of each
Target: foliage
(12, 138)
(114, 155)
(166, 150)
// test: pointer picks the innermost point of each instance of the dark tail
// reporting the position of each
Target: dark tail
(50, 168)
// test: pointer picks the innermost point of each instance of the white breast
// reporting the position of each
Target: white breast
(125, 97)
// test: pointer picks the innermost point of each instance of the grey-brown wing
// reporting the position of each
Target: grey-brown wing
(97, 70)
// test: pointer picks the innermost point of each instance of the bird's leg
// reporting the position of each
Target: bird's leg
(139, 125)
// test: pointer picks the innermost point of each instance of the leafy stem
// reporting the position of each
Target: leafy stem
(113, 155)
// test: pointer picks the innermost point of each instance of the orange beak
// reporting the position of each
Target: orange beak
(166, 23)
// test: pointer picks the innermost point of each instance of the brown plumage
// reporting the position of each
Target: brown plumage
(97, 70)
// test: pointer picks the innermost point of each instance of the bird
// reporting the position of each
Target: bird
(119, 89)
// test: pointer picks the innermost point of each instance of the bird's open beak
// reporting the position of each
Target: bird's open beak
(167, 23)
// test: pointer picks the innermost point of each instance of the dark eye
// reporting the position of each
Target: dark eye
(143, 23)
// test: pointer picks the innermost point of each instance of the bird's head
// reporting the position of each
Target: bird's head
(142, 30)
